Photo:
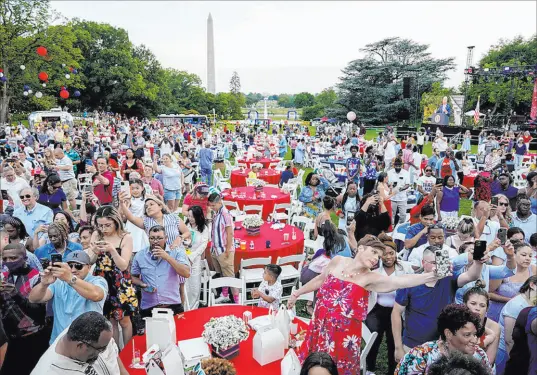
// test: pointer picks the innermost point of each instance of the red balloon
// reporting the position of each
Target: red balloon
(43, 76)
(64, 94)
(41, 51)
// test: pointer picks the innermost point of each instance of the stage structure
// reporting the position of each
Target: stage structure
(292, 115)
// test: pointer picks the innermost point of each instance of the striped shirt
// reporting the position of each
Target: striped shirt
(222, 219)
(170, 222)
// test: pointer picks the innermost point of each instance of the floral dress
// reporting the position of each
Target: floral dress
(121, 300)
(336, 326)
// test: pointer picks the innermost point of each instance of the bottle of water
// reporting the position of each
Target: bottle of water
(251, 245)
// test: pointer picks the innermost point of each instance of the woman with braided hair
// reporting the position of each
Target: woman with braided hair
(58, 234)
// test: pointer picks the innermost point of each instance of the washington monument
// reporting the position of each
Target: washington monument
(211, 76)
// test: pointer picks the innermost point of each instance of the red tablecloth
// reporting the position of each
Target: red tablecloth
(271, 176)
(249, 197)
(470, 179)
(266, 162)
(191, 326)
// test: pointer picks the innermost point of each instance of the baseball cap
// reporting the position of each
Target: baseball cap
(79, 257)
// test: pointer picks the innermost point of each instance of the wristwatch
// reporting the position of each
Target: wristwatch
(73, 280)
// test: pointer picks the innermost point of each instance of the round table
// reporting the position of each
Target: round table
(266, 162)
(278, 247)
(469, 179)
(190, 326)
(271, 176)
(246, 196)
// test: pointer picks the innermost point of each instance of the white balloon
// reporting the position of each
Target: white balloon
(38, 94)
(22, 67)
(30, 91)
(1, 74)
(351, 116)
(25, 93)
(67, 76)
(44, 85)
(63, 65)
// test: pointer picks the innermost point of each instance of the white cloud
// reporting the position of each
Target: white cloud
(302, 46)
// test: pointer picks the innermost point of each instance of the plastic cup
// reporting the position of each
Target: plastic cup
(286, 236)
(243, 245)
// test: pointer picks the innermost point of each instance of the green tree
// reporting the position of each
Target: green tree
(252, 98)
(286, 100)
(183, 91)
(372, 86)
(311, 112)
(21, 22)
(304, 99)
(326, 98)
(499, 92)
(235, 84)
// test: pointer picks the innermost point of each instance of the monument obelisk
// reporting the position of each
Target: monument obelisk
(211, 76)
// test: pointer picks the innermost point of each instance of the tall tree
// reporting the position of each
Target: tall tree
(235, 84)
(373, 86)
(286, 100)
(304, 99)
(21, 24)
(327, 98)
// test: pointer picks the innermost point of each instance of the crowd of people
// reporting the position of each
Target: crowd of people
(108, 220)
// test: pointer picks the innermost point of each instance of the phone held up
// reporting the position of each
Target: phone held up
(443, 264)
(55, 258)
(494, 201)
(479, 249)
(502, 235)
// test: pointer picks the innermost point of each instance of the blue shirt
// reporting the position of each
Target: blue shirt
(353, 167)
(206, 158)
(68, 305)
(32, 219)
(48, 249)
(422, 307)
(432, 161)
(160, 275)
(413, 230)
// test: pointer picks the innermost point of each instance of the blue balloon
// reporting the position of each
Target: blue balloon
(75, 71)
(26, 87)
(76, 93)
(3, 79)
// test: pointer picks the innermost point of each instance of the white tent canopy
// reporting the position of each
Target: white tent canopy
(472, 112)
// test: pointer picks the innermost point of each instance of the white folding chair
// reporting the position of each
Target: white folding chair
(282, 211)
(84, 179)
(290, 275)
(206, 275)
(369, 338)
(226, 282)
(250, 181)
(218, 174)
(253, 210)
(242, 165)
(252, 275)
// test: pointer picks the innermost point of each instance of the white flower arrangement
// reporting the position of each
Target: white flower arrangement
(450, 222)
(225, 332)
(258, 183)
(252, 221)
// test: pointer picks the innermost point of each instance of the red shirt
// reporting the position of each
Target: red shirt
(104, 192)
(527, 138)
(189, 201)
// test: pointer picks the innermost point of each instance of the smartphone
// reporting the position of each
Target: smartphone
(100, 243)
(439, 181)
(125, 186)
(150, 289)
(479, 249)
(4, 195)
(443, 264)
(494, 201)
(395, 184)
(502, 235)
(45, 263)
(350, 217)
(55, 258)
(88, 189)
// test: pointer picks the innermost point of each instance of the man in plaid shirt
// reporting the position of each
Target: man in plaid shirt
(222, 244)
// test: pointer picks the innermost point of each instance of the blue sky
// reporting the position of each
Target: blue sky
(278, 46)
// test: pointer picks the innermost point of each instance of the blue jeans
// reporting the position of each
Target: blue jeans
(206, 175)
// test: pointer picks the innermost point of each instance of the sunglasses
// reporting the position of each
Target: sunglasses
(27, 196)
(504, 204)
(56, 187)
(76, 266)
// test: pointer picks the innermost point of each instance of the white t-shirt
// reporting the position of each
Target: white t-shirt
(402, 178)
(65, 175)
(490, 232)
(426, 183)
(14, 188)
(52, 363)
(416, 256)
(389, 151)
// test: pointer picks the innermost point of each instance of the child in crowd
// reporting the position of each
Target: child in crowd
(270, 289)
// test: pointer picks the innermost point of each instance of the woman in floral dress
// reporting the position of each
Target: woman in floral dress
(342, 298)
(113, 248)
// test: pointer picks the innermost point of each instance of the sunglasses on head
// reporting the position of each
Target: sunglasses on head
(76, 266)
(27, 196)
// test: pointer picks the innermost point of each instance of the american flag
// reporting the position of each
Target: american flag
(476, 112)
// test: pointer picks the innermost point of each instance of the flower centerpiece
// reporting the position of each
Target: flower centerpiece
(450, 224)
(258, 185)
(252, 224)
(224, 334)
